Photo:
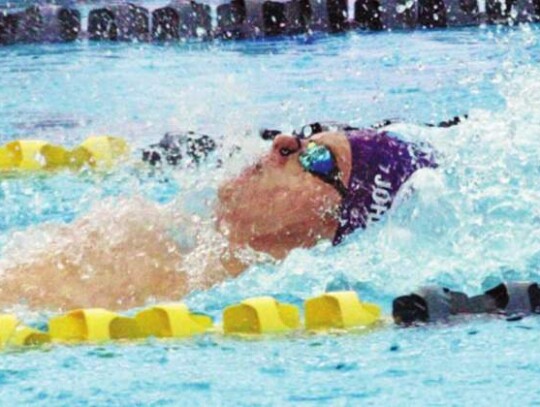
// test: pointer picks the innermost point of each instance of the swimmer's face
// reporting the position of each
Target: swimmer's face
(276, 205)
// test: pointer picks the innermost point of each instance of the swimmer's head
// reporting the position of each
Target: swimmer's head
(290, 198)
(276, 204)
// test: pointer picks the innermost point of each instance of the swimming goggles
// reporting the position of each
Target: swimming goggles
(318, 160)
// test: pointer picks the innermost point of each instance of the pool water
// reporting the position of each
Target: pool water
(469, 225)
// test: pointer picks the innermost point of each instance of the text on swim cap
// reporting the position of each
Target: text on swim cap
(381, 196)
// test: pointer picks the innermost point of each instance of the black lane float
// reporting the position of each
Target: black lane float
(48, 23)
(238, 19)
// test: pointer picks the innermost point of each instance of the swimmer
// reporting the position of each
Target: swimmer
(123, 253)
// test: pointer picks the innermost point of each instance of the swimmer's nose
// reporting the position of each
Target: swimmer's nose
(286, 145)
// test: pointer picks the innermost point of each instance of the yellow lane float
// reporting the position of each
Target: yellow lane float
(339, 310)
(8, 323)
(96, 152)
(172, 321)
(13, 333)
(32, 155)
(99, 152)
(93, 325)
(260, 315)
(26, 336)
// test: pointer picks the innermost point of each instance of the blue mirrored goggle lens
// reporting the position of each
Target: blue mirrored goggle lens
(317, 159)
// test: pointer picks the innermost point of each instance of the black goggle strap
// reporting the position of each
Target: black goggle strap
(308, 130)
(319, 127)
(334, 179)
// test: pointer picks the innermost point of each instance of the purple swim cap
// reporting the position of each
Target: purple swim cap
(381, 163)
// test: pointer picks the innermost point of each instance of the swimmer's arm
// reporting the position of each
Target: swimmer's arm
(119, 255)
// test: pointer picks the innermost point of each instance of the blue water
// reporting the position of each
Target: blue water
(469, 225)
